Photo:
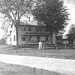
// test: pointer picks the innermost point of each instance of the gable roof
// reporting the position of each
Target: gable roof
(29, 23)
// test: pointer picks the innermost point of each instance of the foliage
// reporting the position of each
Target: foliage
(71, 34)
(53, 14)
(14, 10)
(2, 41)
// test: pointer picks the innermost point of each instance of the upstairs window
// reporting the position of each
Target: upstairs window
(29, 29)
(23, 28)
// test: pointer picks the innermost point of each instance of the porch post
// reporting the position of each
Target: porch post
(54, 38)
(49, 38)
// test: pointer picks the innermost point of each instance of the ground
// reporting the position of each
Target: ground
(54, 53)
(8, 69)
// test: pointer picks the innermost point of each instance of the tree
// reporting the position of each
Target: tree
(14, 10)
(71, 34)
(53, 14)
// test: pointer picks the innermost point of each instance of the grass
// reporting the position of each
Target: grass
(53, 53)
(8, 69)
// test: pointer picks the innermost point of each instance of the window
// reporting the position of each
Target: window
(46, 38)
(23, 28)
(14, 37)
(23, 37)
(29, 28)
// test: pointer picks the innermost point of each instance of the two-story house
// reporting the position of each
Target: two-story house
(28, 34)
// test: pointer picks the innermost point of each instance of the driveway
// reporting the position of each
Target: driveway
(52, 64)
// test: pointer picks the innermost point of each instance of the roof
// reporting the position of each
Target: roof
(31, 23)
(25, 22)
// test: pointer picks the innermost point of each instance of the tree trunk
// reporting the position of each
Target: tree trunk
(17, 44)
(51, 38)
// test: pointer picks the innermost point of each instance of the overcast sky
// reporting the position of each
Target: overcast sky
(71, 9)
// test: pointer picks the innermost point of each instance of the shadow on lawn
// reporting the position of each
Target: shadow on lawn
(8, 69)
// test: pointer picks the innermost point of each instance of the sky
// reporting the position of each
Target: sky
(71, 9)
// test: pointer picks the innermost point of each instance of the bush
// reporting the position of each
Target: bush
(2, 41)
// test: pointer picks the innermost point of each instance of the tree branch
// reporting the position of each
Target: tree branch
(13, 14)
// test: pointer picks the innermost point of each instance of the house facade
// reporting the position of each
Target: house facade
(28, 34)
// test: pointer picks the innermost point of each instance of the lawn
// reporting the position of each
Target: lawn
(54, 53)
(8, 69)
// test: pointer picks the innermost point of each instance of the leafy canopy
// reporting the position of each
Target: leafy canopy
(14, 10)
(53, 14)
(71, 34)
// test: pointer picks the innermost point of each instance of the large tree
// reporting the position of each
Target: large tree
(14, 10)
(53, 14)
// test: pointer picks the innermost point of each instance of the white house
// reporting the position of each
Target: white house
(27, 33)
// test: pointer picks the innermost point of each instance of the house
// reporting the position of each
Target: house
(28, 33)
